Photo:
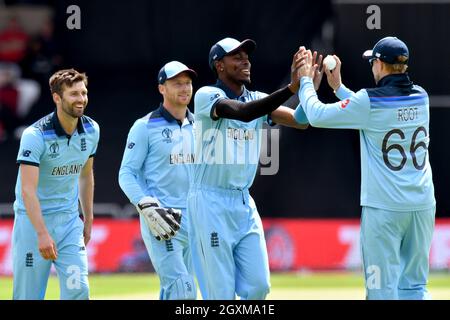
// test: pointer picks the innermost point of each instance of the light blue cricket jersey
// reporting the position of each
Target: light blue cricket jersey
(157, 157)
(393, 121)
(227, 151)
(60, 159)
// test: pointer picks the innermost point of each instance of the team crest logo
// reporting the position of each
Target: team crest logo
(54, 150)
(169, 245)
(167, 135)
(214, 239)
(83, 144)
(29, 259)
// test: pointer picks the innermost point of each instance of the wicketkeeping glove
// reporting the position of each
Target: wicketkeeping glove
(176, 214)
(160, 222)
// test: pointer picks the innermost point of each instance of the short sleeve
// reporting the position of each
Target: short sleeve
(31, 147)
(97, 139)
(205, 99)
(267, 118)
(300, 115)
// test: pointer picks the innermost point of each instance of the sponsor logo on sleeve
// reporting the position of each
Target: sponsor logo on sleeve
(26, 153)
(344, 103)
(214, 97)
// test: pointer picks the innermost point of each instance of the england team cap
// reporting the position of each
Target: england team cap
(172, 69)
(228, 46)
(387, 50)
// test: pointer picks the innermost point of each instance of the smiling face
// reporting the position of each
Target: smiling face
(177, 91)
(235, 68)
(73, 100)
(69, 92)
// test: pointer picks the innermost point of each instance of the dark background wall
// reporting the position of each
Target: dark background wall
(122, 45)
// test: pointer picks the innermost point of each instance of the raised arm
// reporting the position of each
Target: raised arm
(285, 116)
(351, 113)
(248, 111)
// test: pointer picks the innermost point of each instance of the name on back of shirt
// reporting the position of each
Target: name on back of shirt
(407, 114)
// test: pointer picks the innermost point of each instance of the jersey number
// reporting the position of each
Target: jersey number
(412, 150)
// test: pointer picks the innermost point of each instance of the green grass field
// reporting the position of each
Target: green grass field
(289, 286)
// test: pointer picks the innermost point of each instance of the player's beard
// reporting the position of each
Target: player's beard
(72, 109)
(178, 100)
(241, 80)
(174, 98)
(246, 81)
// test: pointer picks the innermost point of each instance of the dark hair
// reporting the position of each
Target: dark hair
(65, 77)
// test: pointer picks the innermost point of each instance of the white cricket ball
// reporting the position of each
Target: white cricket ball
(329, 62)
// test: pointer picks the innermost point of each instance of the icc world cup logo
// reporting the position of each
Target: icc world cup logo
(167, 135)
(54, 150)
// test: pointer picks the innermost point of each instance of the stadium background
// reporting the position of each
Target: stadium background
(311, 206)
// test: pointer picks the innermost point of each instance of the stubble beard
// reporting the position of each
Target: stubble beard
(72, 111)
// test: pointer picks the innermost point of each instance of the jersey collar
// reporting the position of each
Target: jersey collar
(395, 80)
(230, 94)
(59, 129)
(169, 118)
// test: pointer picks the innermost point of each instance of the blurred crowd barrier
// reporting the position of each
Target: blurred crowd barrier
(293, 245)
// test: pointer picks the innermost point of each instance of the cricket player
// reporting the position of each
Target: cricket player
(228, 229)
(56, 157)
(154, 175)
(397, 193)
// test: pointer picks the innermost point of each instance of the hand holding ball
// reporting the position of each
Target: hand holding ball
(329, 62)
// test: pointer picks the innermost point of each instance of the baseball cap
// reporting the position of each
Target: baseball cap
(227, 46)
(172, 69)
(387, 50)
